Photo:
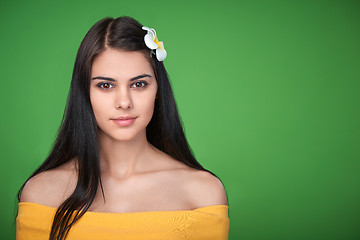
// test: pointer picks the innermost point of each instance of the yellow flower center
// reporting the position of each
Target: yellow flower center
(159, 43)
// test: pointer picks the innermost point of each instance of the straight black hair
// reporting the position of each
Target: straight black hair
(77, 136)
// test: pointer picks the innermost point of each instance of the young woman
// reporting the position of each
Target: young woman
(121, 167)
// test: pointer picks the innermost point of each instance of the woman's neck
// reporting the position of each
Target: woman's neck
(122, 159)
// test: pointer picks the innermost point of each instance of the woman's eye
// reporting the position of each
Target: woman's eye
(141, 84)
(105, 85)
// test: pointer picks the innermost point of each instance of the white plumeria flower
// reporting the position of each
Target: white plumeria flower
(152, 42)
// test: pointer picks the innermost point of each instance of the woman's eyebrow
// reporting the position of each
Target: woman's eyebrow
(104, 78)
(113, 80)
(140, 76)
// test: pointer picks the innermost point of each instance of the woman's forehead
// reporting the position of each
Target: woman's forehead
(121, 64)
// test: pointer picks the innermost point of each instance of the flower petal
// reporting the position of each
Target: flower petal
(149, 41)
(146, 28)
(161, 54)
(153, 32)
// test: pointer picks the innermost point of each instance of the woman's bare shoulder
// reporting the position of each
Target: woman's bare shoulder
(199, 187)
(205, 188)
(50, 187)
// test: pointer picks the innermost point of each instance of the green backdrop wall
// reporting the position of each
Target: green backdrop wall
(268, 92)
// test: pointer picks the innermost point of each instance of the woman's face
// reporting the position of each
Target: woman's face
(122, 93)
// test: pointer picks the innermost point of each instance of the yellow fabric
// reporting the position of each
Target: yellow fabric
(212, 222)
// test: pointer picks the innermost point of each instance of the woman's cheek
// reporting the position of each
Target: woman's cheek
(100, 107)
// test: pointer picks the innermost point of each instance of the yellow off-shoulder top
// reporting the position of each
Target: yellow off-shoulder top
(212, 222)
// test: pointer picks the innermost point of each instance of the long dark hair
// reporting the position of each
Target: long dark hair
(77, 136)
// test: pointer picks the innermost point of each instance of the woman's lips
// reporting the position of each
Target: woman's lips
(124, 121)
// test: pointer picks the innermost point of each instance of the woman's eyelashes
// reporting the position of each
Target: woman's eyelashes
(140, 84)
(109, 85)
(105, 85)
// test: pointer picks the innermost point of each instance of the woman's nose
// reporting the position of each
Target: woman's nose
(123, 99)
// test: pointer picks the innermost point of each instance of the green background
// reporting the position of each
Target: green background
(268, 92)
